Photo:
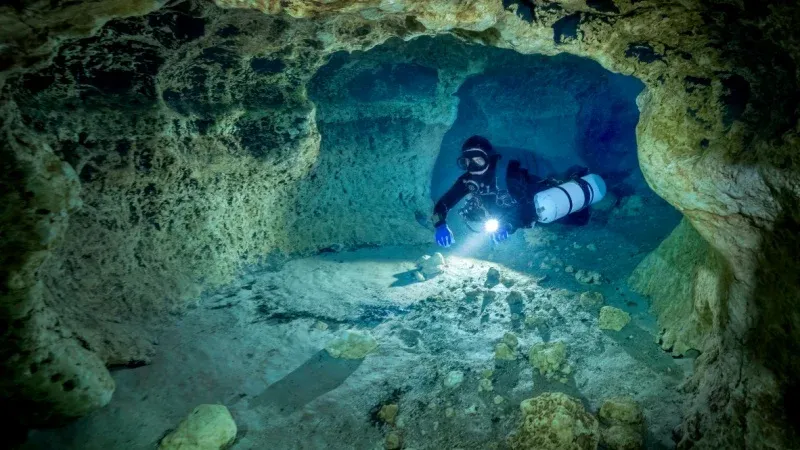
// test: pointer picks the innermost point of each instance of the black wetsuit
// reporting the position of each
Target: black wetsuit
(522, 187)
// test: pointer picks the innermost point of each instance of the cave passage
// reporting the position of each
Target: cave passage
(566, 109)
(371, 342)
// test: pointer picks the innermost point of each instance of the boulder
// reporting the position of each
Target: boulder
(430, 266)
(208, 427)
(621, 411)
(555, 421)
(388, 413)
(621, 437)
(394, 440)
(613, 318)
(623, 424)
(549, 357)
(629, 206)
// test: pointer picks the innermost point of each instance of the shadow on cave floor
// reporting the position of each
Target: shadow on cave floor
(257, 346)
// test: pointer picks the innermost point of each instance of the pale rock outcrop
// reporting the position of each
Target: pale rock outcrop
(684, 276)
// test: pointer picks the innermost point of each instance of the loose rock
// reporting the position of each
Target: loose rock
(431, 266)
(352, 344)
(588, 277)
(621, 411)
(621, 437)
(208, 427)
(388, 413)
(548, 357)
(394, 440)
(555, 421)
(623, 424)
(613, 318)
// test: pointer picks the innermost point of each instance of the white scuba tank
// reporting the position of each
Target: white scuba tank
(572, 196)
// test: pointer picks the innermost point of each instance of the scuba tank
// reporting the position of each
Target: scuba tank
(567, 198)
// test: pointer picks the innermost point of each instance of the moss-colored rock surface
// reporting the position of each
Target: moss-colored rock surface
(622, 424)
(620, 437)
(191, 134)
(621, 411)
(555, 421)
(548, 357)
(613, 318)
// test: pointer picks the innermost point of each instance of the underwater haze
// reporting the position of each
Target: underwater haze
(416, 224)
(411, 345)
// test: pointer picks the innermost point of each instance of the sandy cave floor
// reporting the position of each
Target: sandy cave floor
(257, 346)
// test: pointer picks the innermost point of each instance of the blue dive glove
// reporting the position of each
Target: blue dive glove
(444, 236)
(501, 234)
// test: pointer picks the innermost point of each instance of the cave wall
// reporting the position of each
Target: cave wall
(182, 135)
(717, 138)
(381, 115)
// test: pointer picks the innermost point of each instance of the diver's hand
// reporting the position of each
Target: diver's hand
(501, 234)
(444, 236)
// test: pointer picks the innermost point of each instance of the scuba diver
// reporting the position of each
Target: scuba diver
(512, 189)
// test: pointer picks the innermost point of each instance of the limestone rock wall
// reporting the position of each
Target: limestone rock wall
(684, 277)
(195, 154)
